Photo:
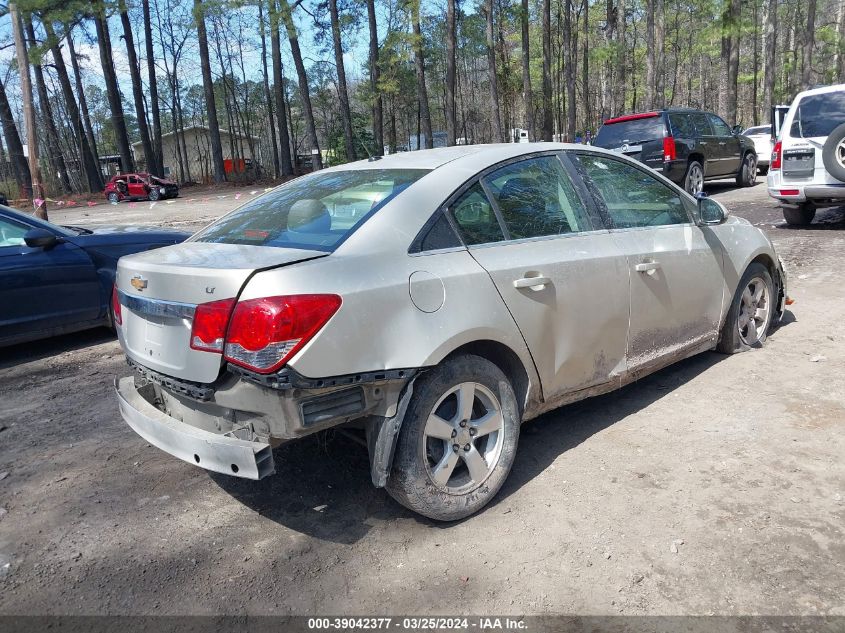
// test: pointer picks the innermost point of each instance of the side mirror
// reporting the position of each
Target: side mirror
(737, 130)
(710, 212)
(40, 238)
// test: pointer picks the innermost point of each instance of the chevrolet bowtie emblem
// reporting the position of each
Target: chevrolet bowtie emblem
(138, 283)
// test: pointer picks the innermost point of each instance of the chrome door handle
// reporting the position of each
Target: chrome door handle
(647, 267)
(723, 143)
(535, 283)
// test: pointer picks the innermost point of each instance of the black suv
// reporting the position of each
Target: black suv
(687, 146)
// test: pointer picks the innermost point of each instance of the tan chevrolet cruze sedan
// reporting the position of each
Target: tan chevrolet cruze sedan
(435, 300)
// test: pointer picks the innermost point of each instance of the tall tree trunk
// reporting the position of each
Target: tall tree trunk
(268, 96)
(137, 88)
(285, 162)
(451, 73)
(419, 63)
(840, 49)
(548, 123)
(496, 121)
(527, 96)
(83, 101)
(210, 104)
(771, 30)
(345, 115)
(38, 195)
(809, 40)
(158, 151)
(304, 89)
(620, 56)
(730, 58)
(378, 118)
(55, 157)
(112, 90)
(90, 164)
(13, 140)
(659, 39)
(571, 105)
(650, 57)
(585, 60)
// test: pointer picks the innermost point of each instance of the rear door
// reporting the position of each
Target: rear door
(729, 150)
(707, 142)
(43, 289)
(137, 188)
(560, 274)
(676, 276)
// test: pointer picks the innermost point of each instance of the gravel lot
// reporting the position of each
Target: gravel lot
(714, 486)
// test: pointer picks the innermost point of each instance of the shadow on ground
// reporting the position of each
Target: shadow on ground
(322, 484)
(48, 347)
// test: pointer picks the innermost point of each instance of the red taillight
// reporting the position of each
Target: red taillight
(790, 192)
(776, 156)
(669, 152)
(117, 314)
(265, 333)
(209, 328)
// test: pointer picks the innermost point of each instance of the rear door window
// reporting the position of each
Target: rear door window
(818, 115)
(630, 132)
(682, 125)
(720, 128)
(701, 123)
(536, 199)
(313, 212)
(633, 198)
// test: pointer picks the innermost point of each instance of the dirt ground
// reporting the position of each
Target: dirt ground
(713, 487)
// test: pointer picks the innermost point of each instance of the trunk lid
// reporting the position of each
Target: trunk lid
(159, 291)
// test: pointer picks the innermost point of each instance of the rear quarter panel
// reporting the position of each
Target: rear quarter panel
(380, 325)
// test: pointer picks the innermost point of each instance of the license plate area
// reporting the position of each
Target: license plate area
(799, 163)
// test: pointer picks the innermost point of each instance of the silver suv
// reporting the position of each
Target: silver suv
(807, 169)
(481, 287)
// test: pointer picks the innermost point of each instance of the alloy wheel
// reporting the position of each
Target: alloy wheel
(463, 438)
(755, 311)
(839, 153)
(695, 180)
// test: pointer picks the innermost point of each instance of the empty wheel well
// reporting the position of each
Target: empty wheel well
(506, 360)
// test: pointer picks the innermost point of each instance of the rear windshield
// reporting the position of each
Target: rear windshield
(817, 115)
(632, 132)
(313, 212)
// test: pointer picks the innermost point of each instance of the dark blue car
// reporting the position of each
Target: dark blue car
(58, 279)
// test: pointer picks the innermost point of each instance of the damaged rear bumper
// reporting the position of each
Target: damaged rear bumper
(223, 453)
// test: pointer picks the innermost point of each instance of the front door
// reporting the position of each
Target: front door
(137, 187)
(675, 265)
(43, 289)
(560, 275)
(730, 152)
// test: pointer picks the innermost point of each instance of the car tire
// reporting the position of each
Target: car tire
(801, 215)
(432, 477)
(747, 176)
(155, 194)
(113, 197)
(751, 313)
(694, 178)
(833, 153)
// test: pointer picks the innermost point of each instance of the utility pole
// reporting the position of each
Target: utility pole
(28, 114)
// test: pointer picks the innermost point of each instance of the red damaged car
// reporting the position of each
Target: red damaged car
(141, 186)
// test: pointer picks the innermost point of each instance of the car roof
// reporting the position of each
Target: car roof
(821, 90)
(479, 156)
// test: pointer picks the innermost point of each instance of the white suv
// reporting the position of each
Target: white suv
(807, 169)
